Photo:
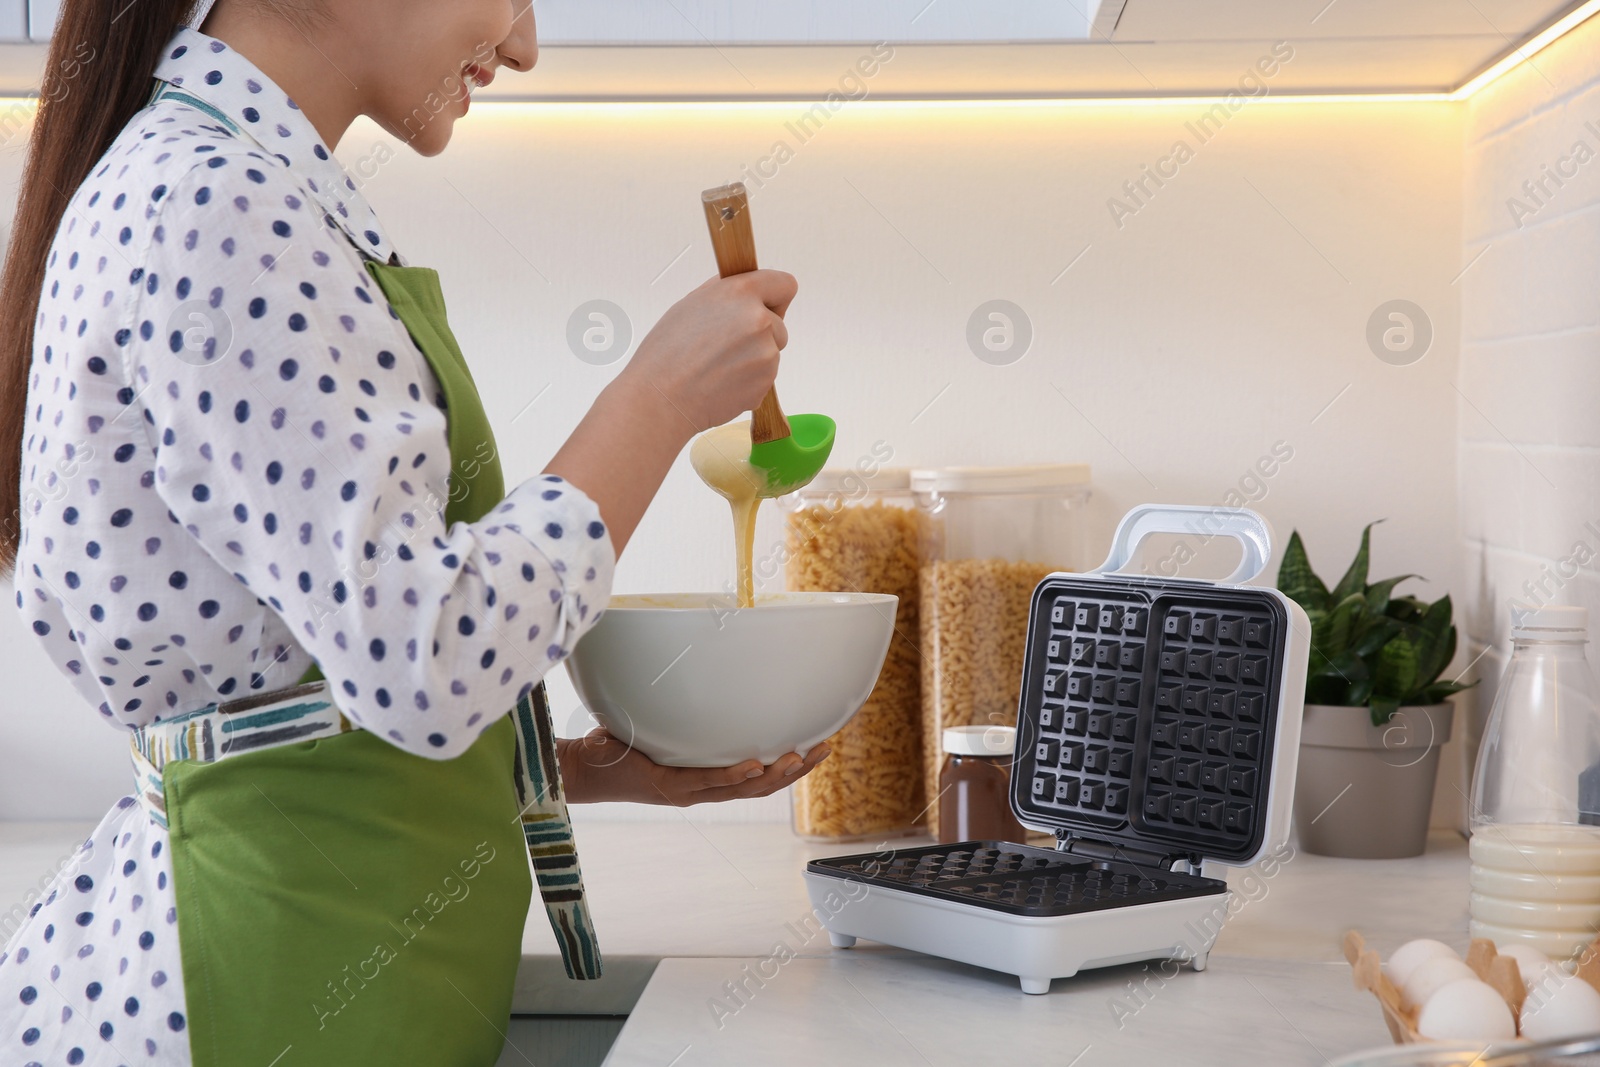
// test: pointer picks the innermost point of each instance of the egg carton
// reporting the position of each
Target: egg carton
(1500, 973)
(1157, 737)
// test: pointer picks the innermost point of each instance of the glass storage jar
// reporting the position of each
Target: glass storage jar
(975, 785)
(858, 530)
(993, 534)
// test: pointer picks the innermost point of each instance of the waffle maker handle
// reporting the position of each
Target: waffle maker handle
(1253, 533)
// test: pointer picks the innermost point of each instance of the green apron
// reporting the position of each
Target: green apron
(341, 901)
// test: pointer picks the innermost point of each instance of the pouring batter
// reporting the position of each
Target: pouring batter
(722, 459)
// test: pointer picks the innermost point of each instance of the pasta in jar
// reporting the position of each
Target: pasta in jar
(851, 533)
(994, 533)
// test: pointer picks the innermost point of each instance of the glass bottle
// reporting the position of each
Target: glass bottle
(975, 785)
(1535, 846)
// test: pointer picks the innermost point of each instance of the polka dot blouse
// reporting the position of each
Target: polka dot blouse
(235, 463)
(235, 459)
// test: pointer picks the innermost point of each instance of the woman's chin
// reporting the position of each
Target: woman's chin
(428, 140)
(435, 136)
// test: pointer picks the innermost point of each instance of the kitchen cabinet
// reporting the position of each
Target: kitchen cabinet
(41, 18)
(13, 21)
(768, 22)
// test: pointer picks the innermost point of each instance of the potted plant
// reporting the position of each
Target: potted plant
(1376, 712)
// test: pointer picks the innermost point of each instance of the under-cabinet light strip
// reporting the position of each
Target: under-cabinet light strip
(1524, 52)
(1511, 60)
(969, 103)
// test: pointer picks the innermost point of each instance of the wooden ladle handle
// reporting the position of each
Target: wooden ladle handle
(728, 217)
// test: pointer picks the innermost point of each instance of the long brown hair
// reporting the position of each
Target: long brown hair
(102, 57)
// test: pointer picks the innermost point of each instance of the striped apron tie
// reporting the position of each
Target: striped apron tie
(305, 713)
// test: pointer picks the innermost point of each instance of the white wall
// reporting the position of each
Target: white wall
(1529, 404)
(1222, 318)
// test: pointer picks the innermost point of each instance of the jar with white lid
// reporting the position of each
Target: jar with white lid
(858, 530)
(975, 785)
(993, 534)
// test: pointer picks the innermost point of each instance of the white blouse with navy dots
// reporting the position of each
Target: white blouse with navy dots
(235, 463)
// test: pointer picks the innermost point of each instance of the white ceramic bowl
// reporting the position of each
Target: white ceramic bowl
(691, 681)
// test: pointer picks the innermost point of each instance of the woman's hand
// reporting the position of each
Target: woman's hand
(598, 767)
(714, 354)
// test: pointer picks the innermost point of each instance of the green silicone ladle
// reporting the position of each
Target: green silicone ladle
(790, 449)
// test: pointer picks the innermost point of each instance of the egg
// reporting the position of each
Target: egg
(1467, 1009)
(1431, 975)
(1411, 955)
(1531, 963)
(1561, 1007)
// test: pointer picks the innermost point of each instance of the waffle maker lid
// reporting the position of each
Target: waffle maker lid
(1159, 719)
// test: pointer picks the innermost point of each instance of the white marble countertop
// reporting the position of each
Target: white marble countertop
(682, 907)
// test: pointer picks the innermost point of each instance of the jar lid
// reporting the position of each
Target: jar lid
(849, 479)
(980, 740)
(1032, 479)
(1553, 622)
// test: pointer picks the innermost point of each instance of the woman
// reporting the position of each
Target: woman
(249, 455)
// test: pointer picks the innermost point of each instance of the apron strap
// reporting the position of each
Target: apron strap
(167, 91)
(548, 831)
(305, 713)
(415, 295)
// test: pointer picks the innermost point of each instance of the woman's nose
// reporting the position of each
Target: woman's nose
(520, 49)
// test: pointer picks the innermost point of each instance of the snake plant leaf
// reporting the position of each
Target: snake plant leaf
(1317, 666)
(1325, 667)
(1351, 667)
(1406, 608)
(1334, 640)
(1339, 683)
(1438, 691)
(1378, 594)
(1317, 656)
(1369, 647)
(1379, 634)
(1397, 670)
(1298, 581)
(1437, 618)
(1360, 693)
(1434, 637)
(1336, 680)
(1446, 653)
(1438, 655)
(1355, 579)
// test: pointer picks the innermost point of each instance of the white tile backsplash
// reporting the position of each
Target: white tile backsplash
(1539, 388)
(1530, 357)
(1552, 150)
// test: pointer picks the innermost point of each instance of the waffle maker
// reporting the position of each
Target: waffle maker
(1158, 731)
